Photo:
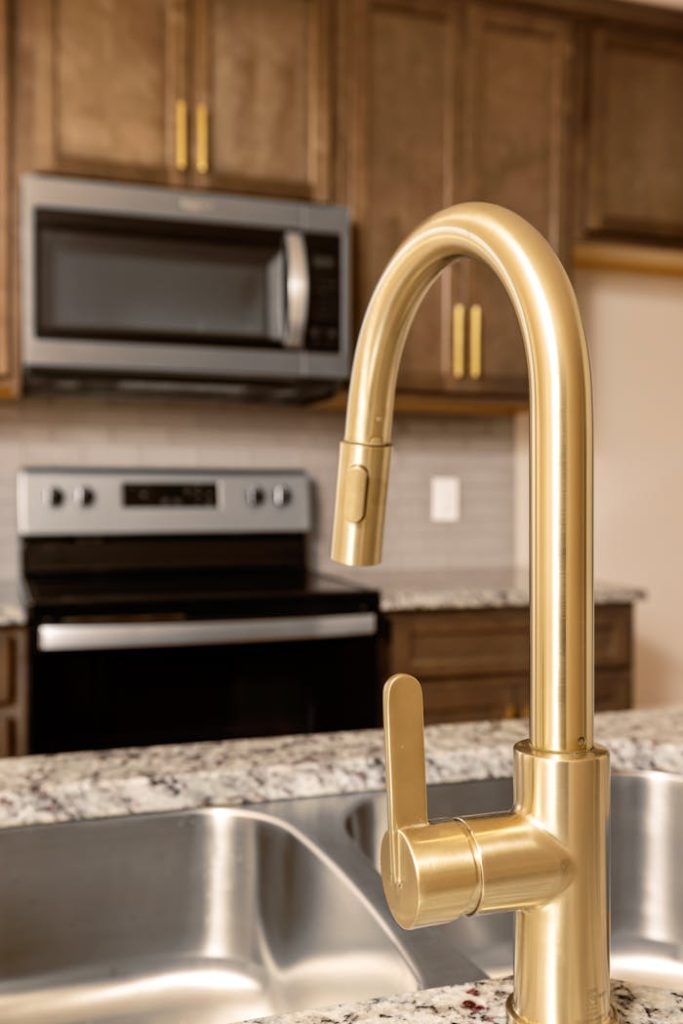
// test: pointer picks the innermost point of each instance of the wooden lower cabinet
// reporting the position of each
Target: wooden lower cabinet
(13, 691)
(475, 664)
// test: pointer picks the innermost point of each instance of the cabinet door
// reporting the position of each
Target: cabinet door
(518, 91)
(404, 118)
(98, 86)
(13, 691)
(5, 332)
(263, 110)
(612, 689)
(633, 169)
(476, 699)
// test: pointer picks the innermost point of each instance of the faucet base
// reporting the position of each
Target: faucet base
(562, 945)
(515, 1018)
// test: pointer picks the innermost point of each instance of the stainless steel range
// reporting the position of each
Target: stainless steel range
(169, 606)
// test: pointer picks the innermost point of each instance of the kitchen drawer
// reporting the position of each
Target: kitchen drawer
(8, 666)
(613, 635)
(469, 643)
(475, 664)
(489, 641)
(481, 697)
(468, 700)
(7, 736)
(612, 689)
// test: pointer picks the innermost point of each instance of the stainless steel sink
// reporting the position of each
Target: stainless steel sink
(647, 882)
(218, 915)
(211, 916)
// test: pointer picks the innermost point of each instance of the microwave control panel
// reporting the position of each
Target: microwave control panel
(324, 312)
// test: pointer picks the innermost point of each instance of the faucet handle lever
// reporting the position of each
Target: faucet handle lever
(405, 761)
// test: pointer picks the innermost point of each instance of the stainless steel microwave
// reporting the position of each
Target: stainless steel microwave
(142, 288)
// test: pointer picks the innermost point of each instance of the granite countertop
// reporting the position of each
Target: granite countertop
(483, 1001)
(412, 590)
(62, 787)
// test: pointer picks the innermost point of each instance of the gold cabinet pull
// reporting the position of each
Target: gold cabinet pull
(181, 139)
(475, 341)
(458, 341)
(202, 138)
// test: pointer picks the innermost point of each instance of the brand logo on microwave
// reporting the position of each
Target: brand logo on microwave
(195, 204)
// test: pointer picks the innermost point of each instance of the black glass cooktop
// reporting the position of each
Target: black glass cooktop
(195, 596)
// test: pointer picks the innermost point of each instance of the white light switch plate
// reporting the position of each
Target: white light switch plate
(444, 499)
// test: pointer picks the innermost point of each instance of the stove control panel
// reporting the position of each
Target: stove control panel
(143, 502)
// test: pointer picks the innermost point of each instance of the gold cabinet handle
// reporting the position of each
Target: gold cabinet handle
(476, 342)
(458, 341)
(181, 135)
(202, 138)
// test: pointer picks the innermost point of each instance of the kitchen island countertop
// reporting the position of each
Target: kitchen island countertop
(483, 1001)
(63, 787)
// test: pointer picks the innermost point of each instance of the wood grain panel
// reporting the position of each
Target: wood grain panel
(518, 144)
(8, 666)
(5, 334)
(405, 116)
(7, 744)
(475, 664)
(13, 691)
(264, 69)
(469, 700)
(613, 689)
(634, 152)
(98, 85)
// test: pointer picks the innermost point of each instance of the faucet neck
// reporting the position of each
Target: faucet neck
(561, 578)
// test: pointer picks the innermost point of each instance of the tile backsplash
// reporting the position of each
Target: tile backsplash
(86, 431)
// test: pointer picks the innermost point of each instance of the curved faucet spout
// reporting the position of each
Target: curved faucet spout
(561, 443)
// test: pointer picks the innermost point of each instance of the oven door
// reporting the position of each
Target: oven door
(100, 684)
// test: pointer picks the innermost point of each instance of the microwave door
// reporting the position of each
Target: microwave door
(297, 290)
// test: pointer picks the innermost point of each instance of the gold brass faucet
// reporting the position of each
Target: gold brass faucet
(547, 857)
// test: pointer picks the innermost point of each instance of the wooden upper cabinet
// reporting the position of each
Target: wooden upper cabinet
(459, 101)
(401, 66)
(5, 349)
(633, 159)
(98, 85)
(263, 115)
(518, 148)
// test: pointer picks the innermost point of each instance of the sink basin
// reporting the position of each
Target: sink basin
(218, 915)
(208, 916)
(646, 881)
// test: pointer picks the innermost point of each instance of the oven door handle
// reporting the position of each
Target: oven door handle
(109, 636)
(297, 289)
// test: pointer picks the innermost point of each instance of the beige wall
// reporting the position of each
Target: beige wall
(634, 327)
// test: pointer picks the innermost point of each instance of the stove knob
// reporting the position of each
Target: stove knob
(281, 495)
(254, 496)
(53, 496)
(84, 496)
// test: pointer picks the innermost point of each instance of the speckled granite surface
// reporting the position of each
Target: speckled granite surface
(90, 785)
(439, 590)
(484, 1001)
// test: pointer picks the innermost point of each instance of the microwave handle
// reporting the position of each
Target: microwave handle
(297, 289)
